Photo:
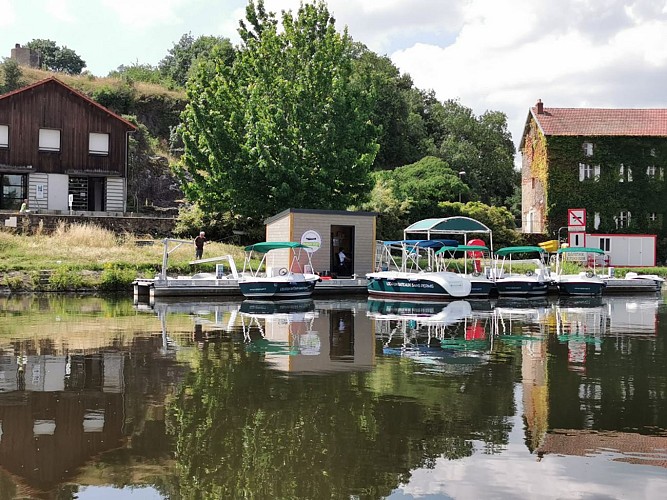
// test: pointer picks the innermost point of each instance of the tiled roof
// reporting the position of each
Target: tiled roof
(602, 122)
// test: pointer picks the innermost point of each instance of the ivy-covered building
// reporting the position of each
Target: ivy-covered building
(610, 162)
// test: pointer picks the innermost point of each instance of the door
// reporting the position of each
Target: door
(96, 189)
(342, 251)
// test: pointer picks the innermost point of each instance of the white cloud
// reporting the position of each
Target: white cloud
(146, 13)
(569, 53)
(8, 17)
(60, 10)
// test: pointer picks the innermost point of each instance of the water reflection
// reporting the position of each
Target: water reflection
(331, 398)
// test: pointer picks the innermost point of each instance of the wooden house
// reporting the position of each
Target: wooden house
(62, 151)
(608, 162)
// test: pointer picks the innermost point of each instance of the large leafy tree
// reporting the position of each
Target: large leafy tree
(188, 52)
(282, 126)
(12, 76)
(55, 58)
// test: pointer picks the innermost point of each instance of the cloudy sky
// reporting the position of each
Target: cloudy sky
(499, 55)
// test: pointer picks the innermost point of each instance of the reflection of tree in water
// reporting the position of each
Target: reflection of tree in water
(245, 431)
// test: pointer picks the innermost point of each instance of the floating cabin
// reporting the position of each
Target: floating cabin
(327, 232)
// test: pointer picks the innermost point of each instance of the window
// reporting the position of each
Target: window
(14, 191)
(98, 144)
(605, 244)
(588, 148)
(623, 220)
(653, 217)
(651, 171)
(625, 173)
(49, 139)
(4, 136)
(589, 172)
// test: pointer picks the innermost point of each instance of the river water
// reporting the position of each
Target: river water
(101, 398)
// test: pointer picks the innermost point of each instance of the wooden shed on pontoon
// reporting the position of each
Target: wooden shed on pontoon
(327, 233)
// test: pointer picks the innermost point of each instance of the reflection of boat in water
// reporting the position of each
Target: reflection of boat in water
(280, 328)
(426, 312)
(436, 336)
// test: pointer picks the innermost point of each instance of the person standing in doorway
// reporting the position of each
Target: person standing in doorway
(199, 245)
(343, 259)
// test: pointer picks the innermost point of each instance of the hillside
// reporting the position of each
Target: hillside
(156, 107)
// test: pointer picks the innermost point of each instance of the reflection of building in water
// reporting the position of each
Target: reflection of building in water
(594, 386)
(321, 340)
(60, 409)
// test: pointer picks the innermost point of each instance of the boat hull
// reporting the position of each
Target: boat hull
(277, 290)
(521, 288)
(433, 286)
(482, 288)
(580, 287)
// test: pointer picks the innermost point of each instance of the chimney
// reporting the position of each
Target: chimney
(540, 107)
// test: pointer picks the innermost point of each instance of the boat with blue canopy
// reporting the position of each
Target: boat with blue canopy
(406, 271)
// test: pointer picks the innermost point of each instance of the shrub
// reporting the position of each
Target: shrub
(65, 278)
(115, 277)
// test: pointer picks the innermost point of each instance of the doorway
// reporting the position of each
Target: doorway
(342, 251)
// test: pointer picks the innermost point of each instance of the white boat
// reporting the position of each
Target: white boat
(534, 281)
(456, 259)
(584, 282)
(406, 272)
(294, 282)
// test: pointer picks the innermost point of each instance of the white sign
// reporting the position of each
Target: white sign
(71, 200)
(576, 217)
(312, 240)
(40, 191)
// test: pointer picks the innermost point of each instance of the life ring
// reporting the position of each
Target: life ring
(589, 274)
(283, 271)
(529, 273)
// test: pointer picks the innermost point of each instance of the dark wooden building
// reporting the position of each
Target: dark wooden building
(61, 150)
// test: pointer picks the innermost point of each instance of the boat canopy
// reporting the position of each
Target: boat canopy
(267, 246)
(581, 250)
(423, 243)
(449, 225)
(525, 249)
(463, 248)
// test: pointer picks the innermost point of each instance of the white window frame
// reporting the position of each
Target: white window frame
(49, 139)
(625, 173)
(653, 217)
(651, 171)
(587, 171)
(588, 148)
(4, 136)
(623, 219)
(605, 244)
(98, 144)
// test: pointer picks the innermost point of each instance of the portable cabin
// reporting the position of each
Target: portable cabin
(327, 233)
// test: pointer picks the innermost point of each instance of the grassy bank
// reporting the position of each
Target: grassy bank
(87, 257)
(84, 256)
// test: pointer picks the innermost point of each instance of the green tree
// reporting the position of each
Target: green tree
(479, 146)
(12, 76)
(282, 126)
(188, 52)
(136, 72)
(55, 58)
(401, 129)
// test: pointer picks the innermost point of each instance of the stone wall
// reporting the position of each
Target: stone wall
(153, 227)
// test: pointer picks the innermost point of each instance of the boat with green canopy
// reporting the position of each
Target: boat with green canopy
(531, 282)
(270, 281)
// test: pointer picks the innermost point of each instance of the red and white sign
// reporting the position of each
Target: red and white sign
(576, 217)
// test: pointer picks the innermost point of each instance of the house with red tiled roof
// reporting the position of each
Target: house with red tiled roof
(609, 162)
(62, 151)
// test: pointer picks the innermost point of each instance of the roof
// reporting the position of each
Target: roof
(580, 250)
(448, 225)
(267, 246)
(54, 80)
(596, 122)
(423, 243)
(343, 213)
(462, 248)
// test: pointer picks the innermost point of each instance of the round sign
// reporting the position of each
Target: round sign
(312, 240)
